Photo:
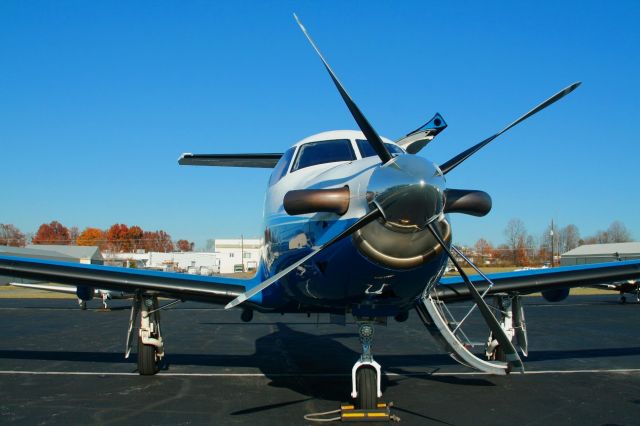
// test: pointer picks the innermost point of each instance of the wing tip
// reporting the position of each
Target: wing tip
(183, 156)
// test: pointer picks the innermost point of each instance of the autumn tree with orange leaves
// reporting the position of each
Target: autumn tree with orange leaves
(184, 245)
(157, 241)
(92, 237)
(52, 233)
(117, 237)
(135, 236)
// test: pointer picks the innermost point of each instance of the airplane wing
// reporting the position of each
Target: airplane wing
(534, 280)
(217, 290)
(266, 161)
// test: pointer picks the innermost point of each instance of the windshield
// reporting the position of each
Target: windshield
(366, 150)
(321, 152)
(281, 167)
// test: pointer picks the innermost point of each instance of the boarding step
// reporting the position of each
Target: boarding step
(432, 314)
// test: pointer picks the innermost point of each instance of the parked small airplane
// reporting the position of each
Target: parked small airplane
(84, 294)
(355, 224)
(624, 288)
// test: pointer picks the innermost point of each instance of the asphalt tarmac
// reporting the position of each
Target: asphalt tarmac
(60, 365)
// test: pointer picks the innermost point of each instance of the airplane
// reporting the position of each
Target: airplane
(84, 294)
(623, 288)
(354, 224)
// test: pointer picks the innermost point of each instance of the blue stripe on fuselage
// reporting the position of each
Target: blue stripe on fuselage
(338, 277)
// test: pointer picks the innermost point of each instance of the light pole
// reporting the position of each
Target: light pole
(551, 239)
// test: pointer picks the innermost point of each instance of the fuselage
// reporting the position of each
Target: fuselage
(380, 270)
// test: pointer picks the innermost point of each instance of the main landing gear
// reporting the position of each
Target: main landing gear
(510, 315)
(105, 297)
(623, 298)
(150, 343)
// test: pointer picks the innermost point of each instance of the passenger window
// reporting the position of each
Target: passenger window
(281, 167)
(366, 150)
(321, 152)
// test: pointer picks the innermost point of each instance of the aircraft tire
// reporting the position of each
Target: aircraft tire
(499, 354)
(367, 388)
(147, 361)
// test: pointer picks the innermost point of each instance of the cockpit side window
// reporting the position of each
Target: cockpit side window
(321, 152)
(281, 167)
(366, 150)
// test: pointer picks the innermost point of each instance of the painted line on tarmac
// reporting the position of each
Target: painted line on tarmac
(93, 373)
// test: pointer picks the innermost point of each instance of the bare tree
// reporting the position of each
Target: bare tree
(618, 233)
(602, 237)
(516, 234)
(483, 249)
(531, 244)
(11, 236)
(74, 232)
(568, 238)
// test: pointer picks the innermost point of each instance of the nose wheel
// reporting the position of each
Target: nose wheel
(366, 373)
(367, 388)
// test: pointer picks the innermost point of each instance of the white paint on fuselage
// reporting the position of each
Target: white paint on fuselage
(354, 174)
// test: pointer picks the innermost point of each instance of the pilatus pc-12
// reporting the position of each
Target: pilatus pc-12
(354, 224)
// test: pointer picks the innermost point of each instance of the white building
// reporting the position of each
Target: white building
(229, 256)
(192, 262)
(237, 255)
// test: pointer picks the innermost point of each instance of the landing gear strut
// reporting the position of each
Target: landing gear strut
(366, 373)
(105, 297)
(150, 343)
(511, 318)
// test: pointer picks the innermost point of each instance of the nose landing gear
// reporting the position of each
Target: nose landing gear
(366, 373)
(365, 386)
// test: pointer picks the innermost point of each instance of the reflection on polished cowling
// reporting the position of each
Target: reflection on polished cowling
(383, 244)
(303, 201)
(409, 192)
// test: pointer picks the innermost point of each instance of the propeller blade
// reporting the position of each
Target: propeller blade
(364, 220)
(509, 350)
(363, 123)
(455, 161)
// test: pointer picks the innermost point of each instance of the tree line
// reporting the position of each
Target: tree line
(117, 238)
(524, 249)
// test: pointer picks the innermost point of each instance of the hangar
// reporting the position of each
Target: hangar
(66, 253)
(79, 254)
(597, 253)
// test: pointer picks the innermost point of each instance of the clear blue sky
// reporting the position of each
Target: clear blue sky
(98, 100)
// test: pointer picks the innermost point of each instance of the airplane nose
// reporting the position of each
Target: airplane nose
(409, 192)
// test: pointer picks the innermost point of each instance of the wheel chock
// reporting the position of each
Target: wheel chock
(382, 413)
